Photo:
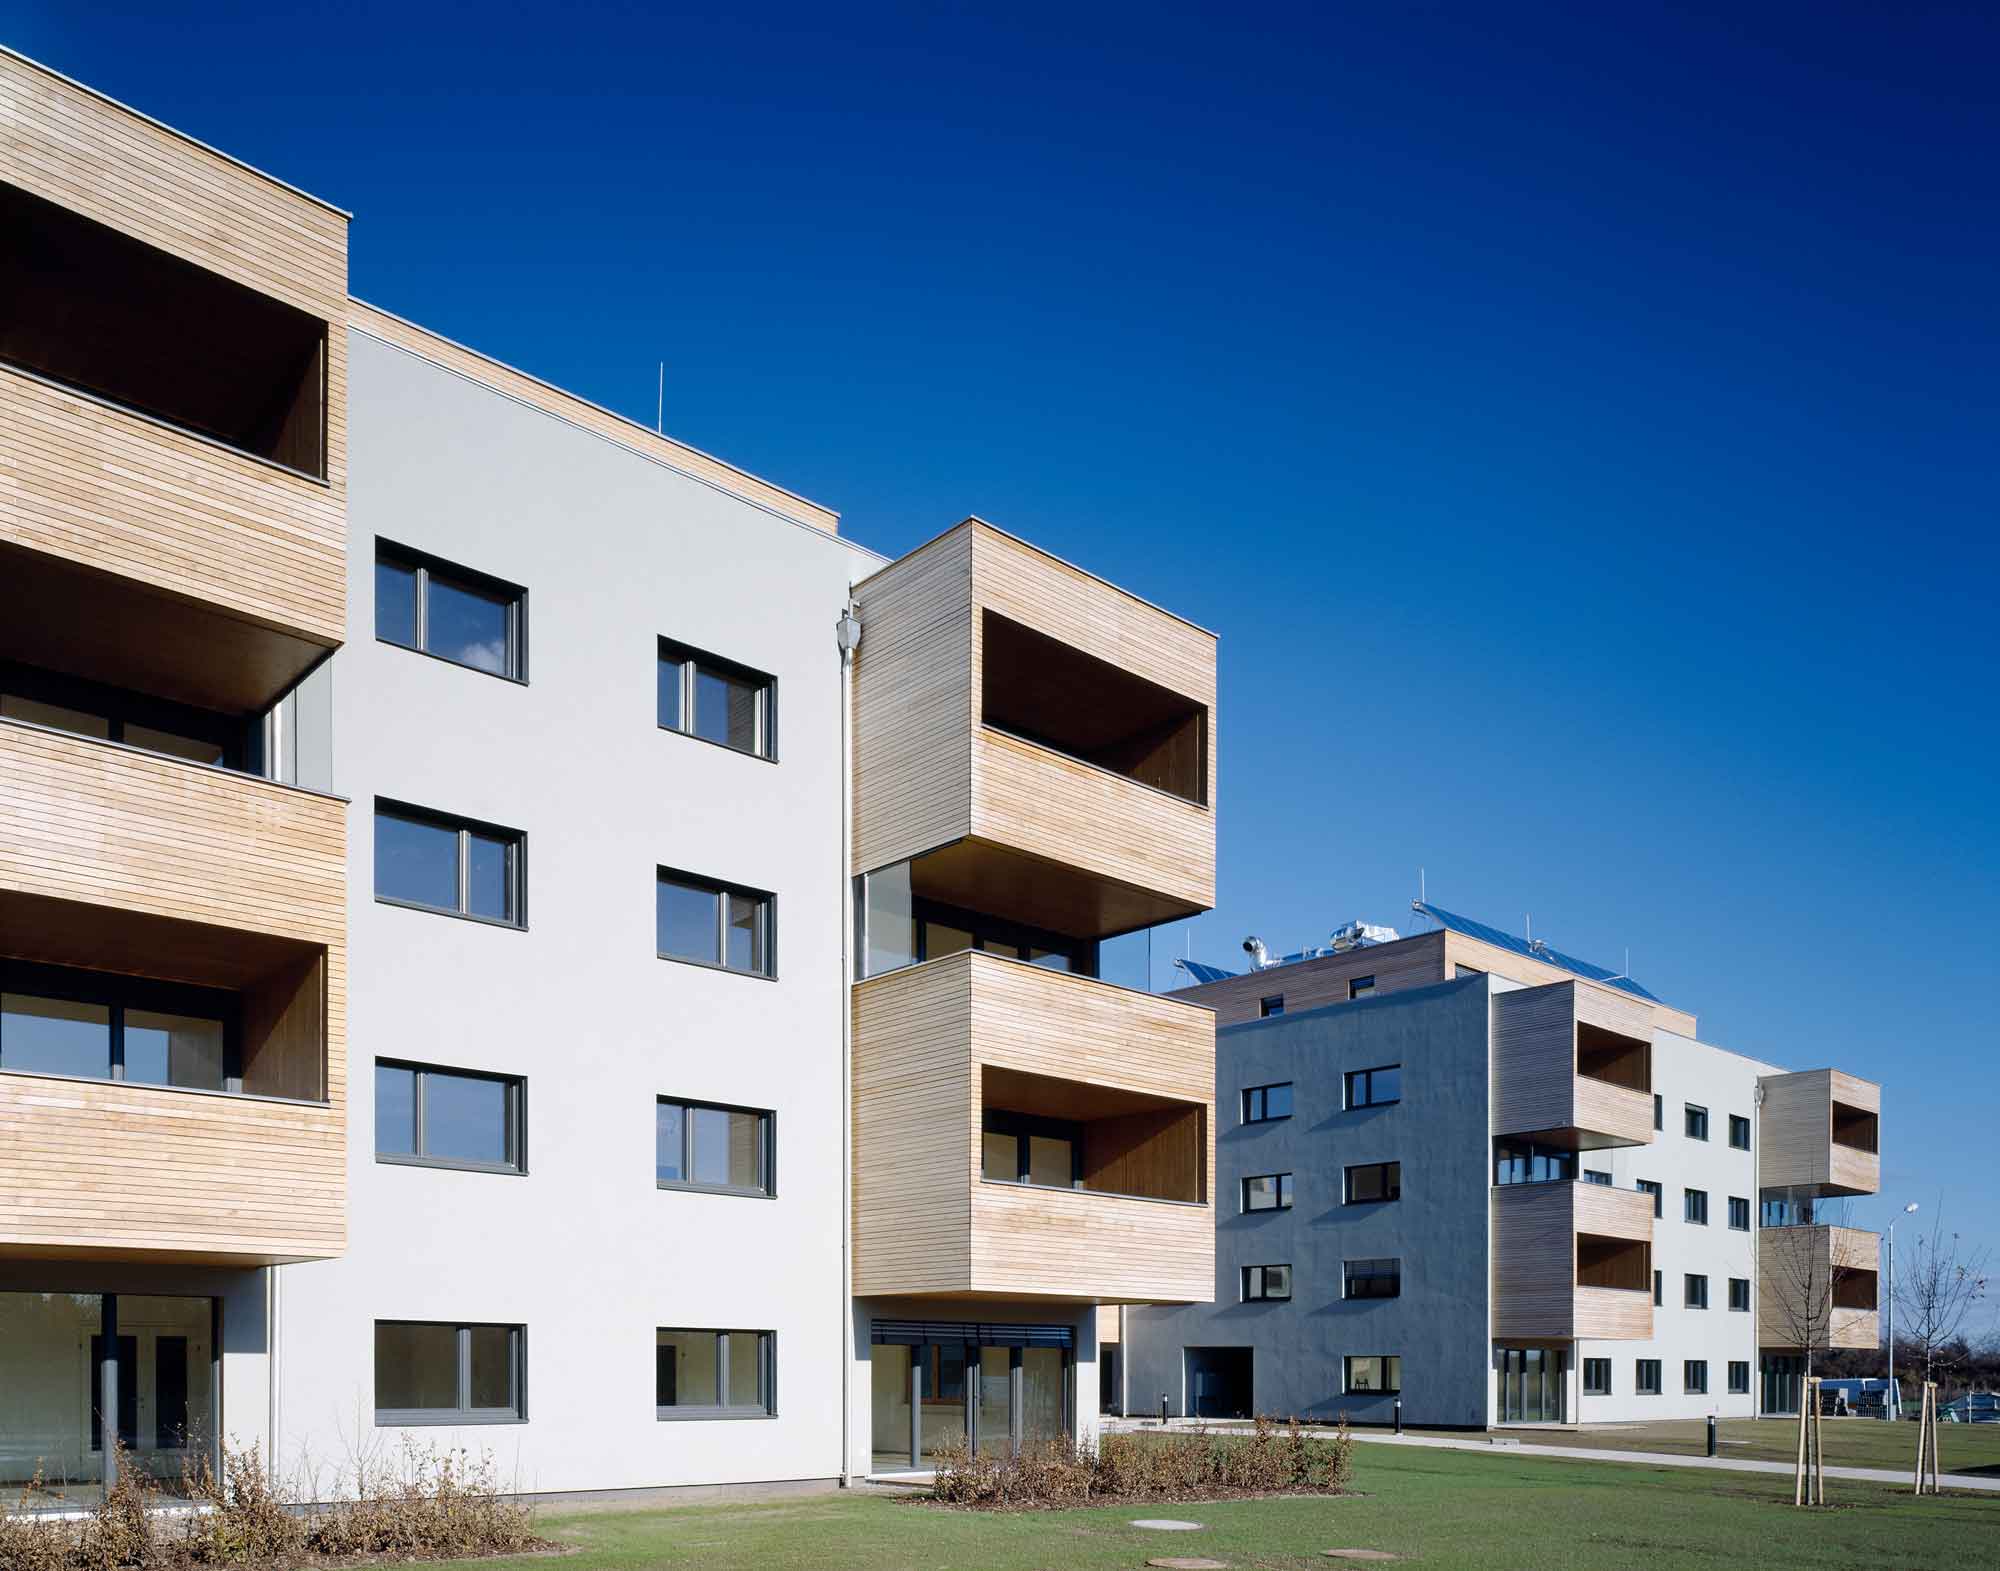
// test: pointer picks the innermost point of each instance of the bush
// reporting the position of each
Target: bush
(1270, 1459)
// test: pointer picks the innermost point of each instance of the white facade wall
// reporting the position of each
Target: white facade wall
(584, 1250)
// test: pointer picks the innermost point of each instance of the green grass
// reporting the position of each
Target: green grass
(1850, 1442)
(1440, 1508)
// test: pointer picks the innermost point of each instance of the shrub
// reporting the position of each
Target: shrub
(1270, 1459)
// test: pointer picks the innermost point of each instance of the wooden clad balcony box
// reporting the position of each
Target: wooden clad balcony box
(939, 1046)
(1573, 1066)
(1049, 736)
(1572, 1260)
(114, 860)
(1821, 1133)
(1818, 1281)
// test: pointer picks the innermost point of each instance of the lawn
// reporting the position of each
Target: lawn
(1850, 1442)
(1442, 1509)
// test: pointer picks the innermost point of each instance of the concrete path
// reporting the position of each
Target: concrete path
(1727, 1464)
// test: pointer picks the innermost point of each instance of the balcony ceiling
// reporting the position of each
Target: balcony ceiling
(977, 875)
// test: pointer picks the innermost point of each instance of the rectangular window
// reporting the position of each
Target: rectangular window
(432, 1373)
(1262, 1104)
(1375, 1087)
(96, 1027)
(112, 714)
(1597, 1377)
(1376, 1373)
(1659, 1111)
(714, 1374)
(1524, 1162)
(1597, 1175)
(1697, 1122)
(1268, 1007)
(1739, 1377)
(433, 606)
(1262, 1283)
(1659, 1289)
(1739, 1294)
(1268, 1192)
(1739, 1132)
(1694, 1376)
(447, 1118)
(1360, 986)
(1739, 1213)
(727, 1150)
(1646, 1376)
(1694, 1294)
(717, 700)
(1024, 1148)
(1694, 1206)
(1371, 1278)
(439, 863)
(1374, 1181)
(713, 924)
(1648, 1187)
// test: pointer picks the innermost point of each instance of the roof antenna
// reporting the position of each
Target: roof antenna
(660, 409)
(1421, 895)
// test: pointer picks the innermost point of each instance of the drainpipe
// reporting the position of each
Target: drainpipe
(847, 632)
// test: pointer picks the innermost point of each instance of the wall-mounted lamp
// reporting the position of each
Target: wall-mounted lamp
(847, 631)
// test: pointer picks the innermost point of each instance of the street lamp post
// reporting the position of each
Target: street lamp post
(1894, 1396)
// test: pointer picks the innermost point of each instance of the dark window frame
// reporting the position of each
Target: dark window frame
(1596, 1377)
(1648, 1378)
(767, 1149)
(1738, 1124)
(1392, 1183)
(1739, 1295)
(1271, 1007)
(1693, 1200)
(1284, 1197)
(118, 994)
(427, 566)
(1694, 1121)
(1659, 1289)
(1257, 1100)
(1739, 1377)
(515, 841)
(1391, 1385)
(1371, 1280)
(722, 890)
(1739, 1205)
(989, 931)
(721, 1407)
(1365, 1078)
(1648, 1186)
(464, 1413)
(1360, 986)
(1694, 1377)
(1533, 1162)
(516, 1087)
(239, 737)
(692, 662)
(1022, 1128)
(1694, 1290)
(1596, 1175)
(1259, 1276)
(1659, 1112)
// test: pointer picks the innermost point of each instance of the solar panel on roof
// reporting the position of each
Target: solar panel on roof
(1521, 946)
(1203, 973)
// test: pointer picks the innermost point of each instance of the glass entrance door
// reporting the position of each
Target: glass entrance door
(1783, 1380)
(1530, 1384)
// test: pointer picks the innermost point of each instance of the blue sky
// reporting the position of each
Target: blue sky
(1579, 423)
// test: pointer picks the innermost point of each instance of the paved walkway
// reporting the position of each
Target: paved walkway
(1727, 1464)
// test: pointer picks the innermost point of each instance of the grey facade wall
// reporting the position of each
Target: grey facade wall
(1438, 1131)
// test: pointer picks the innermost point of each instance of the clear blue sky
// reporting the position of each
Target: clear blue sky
(1578, 422)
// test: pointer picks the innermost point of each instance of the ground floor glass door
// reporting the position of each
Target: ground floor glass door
(1784, 1378)
(1530, 1384)
(996, 1386)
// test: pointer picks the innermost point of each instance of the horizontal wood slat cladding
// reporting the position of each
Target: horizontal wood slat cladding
(1782, 1275)
(127, 495)
(578, 411)
(1310, 984)
(925, 1220)
(149, 1172)
(1795, 1134)
(1477, 955)
(1535, 1291)
(1536, 1087)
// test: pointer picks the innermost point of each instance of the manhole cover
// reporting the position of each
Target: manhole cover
(1187, 1563)
(1357, 1554)
(1167, 1524)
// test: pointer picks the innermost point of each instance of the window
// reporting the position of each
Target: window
(1360, 986)
(1694, 1376)
(1375, 1181)
(1269, 1007)
(112, 714)
(1659, 1289)
(436, 608)
(1268, 1192)
(1739, 1132)
(96, 1026)
(714, 1374)
(1374, 1373)
(1659, 1111)
(1739, 1294)
(1648, 1187)
(1646, 1376)
(1694, 1206)
(1697, 1122)
(1739, 1377)
(724, 1149)
(1524, 1162)
(712, 924)
(1785, 1211)
(1020, 1148)
(447, 1118)
(1262, 1283)
(1371, 1279)
(1694, 1294)
(1597, 1175)
(1375, 1087)
(1262, 1104)
(1597, 1377)
(431, 1373)
(1739, 1213)
(453, 865)
(716, 700)
(1458, 971)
